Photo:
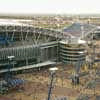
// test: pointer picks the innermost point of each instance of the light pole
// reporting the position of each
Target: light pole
(10, 62)
(75, 79)
(52, 70)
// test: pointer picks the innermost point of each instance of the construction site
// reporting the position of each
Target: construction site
(49, 58)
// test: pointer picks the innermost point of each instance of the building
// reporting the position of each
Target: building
(34, 46)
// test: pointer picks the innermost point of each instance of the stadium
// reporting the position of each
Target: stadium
(38, 62)
(38, 47)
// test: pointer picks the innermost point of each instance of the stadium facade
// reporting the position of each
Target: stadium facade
(37, 47)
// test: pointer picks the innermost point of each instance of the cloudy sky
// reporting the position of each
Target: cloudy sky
(50, 6)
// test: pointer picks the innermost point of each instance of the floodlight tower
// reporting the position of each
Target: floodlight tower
(52, 71)
(75, 79)
(10, 62)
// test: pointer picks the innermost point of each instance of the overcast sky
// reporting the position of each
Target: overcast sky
(50, 6)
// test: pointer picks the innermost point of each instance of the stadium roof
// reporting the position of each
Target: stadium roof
(15, 22)
(79, 29)
(27, 27)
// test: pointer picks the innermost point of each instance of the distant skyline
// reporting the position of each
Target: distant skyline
(50, 6)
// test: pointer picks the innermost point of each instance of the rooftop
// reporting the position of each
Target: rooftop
(79, 29)
(73, 41)
(15, 22)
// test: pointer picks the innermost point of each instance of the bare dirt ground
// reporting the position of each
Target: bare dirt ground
(37, 83)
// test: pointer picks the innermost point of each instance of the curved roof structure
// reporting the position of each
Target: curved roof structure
(21, 25)
(17, 25)
(19, 22)
(79, 29)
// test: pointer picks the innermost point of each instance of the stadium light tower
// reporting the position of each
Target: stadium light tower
(11, 57)
(9, 66)
(77, 74)
(10, 61)
(75, 79)
(52, 71)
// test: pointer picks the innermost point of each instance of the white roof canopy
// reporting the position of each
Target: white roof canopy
(18, 22)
